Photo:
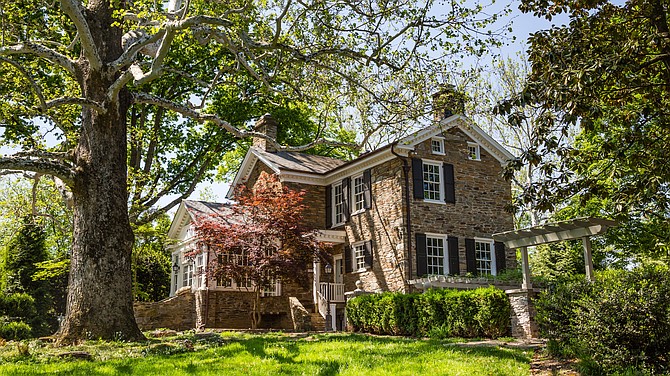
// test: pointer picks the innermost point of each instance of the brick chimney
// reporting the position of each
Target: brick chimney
(447, 102)
(268, 126)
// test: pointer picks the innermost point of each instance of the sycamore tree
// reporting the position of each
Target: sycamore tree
(265, 239)
(79, 67)
(607, 71)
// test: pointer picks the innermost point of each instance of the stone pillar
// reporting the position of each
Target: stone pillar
(201, 308)
(524, 325)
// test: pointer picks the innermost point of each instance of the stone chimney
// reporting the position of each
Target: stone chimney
(447, 102)
(268, 126)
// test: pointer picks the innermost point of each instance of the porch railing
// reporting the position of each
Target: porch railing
(334, 292)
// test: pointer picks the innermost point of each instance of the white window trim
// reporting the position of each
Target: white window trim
(441, 141)
(353, 194)
(334, 206)
(353, 257)
(445, 256)
(494, 268)
(479, 151)
(441, 174)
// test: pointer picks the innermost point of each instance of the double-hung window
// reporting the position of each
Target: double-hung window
(437, 146)
(359, 256)
(473, 151)
(359, 193)
(435, 255)
(432, 181)
(485, 256)
(338, 204)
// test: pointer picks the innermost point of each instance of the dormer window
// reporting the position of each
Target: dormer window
(437, 146)
(473, 151)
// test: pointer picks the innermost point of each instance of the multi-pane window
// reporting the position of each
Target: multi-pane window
(359, 193)
(228, 259)
(188, 274)
(432, 182)
(338, 204)
(359, 256)
(435, 253)
(484, 256)
(437, 146)
(473, 151)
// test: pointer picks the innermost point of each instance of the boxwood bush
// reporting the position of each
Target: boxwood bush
(484, 312)
(618, 324)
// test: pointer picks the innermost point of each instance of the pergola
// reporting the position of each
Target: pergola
(579, 228)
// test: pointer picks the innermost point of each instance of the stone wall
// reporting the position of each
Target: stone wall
(382, 223)
(481, 199)
(301, 319)
(176, 312)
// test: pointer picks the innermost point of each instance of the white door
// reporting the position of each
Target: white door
(338, 269)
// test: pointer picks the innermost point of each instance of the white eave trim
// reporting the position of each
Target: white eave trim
(246, 167)
(332, 236)
(180, 219)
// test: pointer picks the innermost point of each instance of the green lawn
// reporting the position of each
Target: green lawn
(269, 354)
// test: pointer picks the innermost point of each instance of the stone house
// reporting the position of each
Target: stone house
(425, 205)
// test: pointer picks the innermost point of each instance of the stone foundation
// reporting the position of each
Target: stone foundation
(524, 325)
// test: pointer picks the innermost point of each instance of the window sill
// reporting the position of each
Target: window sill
(359, 212)
(434, 201)
(476, 160)
(437, 153)
(334, 225)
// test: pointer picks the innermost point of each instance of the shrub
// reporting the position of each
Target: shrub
(17, 305)
(15, 330)
(622, 320)
(440, 313)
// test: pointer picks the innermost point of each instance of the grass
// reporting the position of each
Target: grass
(268, 354)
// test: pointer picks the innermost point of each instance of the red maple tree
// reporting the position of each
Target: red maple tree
(266, 239)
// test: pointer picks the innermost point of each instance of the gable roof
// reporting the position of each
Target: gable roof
(191, 211)
(319, 170)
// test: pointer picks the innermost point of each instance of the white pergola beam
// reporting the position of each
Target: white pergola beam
(535, 238)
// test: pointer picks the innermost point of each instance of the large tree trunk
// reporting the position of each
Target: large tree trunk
(100, 301)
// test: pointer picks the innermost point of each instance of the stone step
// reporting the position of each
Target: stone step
(318, 322)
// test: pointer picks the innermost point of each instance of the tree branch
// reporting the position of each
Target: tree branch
(41, 51)
(74, 10)
(238, 133)
(48, 167)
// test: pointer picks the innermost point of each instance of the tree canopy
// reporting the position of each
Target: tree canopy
(607, 72)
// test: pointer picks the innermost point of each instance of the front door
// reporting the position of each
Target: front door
(338, 270)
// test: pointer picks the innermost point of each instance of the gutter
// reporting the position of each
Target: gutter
(408, 218)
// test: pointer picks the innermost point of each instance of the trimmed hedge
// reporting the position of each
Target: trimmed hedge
(618, 324)
(484, 312)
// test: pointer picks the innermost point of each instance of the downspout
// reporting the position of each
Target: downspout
(408, 218)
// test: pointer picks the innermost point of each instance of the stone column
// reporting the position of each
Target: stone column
(527, 284)
(200, 308)
(524, 325)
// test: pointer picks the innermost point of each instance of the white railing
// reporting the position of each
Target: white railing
(334, 292)
(322, 304)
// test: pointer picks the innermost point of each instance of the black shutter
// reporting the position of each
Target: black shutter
(367, 182)
(449, 190)
(417, 177)
(329, 206)
(470, 256)
(421, 260)
(346, 197)
(368, 254)
(500, 257)
(348, 268)
(454, 263)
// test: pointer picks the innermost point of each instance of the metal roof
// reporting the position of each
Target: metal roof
(554, 232)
